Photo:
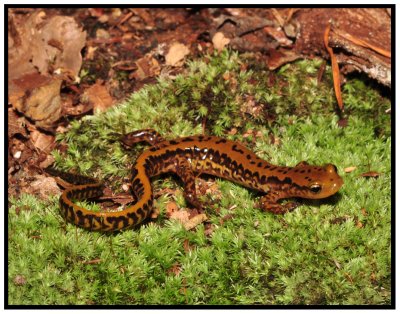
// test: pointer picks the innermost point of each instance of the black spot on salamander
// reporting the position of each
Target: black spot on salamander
(240, 170)
(256, 177)
(247, 174)
(221, 140)
(200, 138)
(114, 221)
(308, 170)
(248, 156)
(134, 172)
(252, 162)
(309, 180)
(134, 217)
(81, 218)
(153, 149)
(223, 159)
(141, 211)
(275, 180)
(296, 170)
(173, 142)
(267, 166)
(234, 165)
(236, 149)
(179, 151)
(210, 154)
(263, 179)
(216, 156)
(259, 165)
(186, 139)
(136, 182)
(302, 171)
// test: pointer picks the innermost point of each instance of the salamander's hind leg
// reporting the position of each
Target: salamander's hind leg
(270, 203)
(185, 173)
(149, 136)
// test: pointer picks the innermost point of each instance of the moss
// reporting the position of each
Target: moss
(333, 251)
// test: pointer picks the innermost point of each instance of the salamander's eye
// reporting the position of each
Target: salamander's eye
(315, 188)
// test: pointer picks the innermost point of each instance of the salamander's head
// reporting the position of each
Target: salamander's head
(316, 181)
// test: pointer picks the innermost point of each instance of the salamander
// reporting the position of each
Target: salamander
(188, 157)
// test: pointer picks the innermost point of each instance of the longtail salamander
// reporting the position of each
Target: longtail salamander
(188, 157)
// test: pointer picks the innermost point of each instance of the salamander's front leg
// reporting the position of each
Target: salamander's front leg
(185, 173)
(270, 203)
(149, 136)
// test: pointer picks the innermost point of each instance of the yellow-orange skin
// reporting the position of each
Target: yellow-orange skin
(188, 157)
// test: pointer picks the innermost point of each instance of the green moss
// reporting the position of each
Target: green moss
(333, 251)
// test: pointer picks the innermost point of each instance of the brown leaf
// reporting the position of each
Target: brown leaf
(186, 246)
(196, 220)
(220, 41)
(335, 68)
(175, 269)
(43, 187)
(93, 261)
(364, 212)
(350, 169)
(146, 67)
(19, 280)
(37, 97)
(181, 215)
(38, 46)
(176, 54)
(37, 49)
(98, 96)
(370, 174)
(171, 208)
(359, 224)
(276, 58)
(15, 124)
(42, 141)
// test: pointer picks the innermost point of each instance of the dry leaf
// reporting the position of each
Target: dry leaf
(359, 224)
(175, 269)
(364, 211)
(99, 97)
(176, 54)
(335, 68)
(43, 43)
(15, 124)
(196, 220)
(146, 67)
(37, 97)
(39, 46)
(19, 280)
(350, 169)
(171, 208)
(220, 41)
(370, 174)
(181, 215)
(44, 187)
(93, 261)
(42, 141)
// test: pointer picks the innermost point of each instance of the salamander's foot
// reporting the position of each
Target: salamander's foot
(276, 208)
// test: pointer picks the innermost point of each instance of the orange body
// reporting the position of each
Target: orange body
(188, 157)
